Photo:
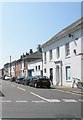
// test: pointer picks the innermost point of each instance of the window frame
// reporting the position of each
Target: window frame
(44, 70)
(58, 52)
(50, 54)
(67, 49)
(68, 73)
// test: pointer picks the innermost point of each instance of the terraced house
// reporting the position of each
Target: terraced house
(63, 55)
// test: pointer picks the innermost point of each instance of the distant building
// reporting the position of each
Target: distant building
(35, 67)
(7, 69)
(63, 55)
(13, 68)
(27, 59)
(1, 72)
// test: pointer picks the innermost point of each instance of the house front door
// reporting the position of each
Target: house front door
(57, 75)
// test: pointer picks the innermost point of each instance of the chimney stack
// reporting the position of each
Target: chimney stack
(30, 51)
(39, 49)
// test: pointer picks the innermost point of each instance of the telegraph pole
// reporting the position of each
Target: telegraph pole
(10, 66)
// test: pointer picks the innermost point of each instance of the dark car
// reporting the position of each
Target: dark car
(40, 81)
(26, 80)
(19, 79)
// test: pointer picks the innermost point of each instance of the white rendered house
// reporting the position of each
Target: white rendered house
(35, 67)
(63, 55)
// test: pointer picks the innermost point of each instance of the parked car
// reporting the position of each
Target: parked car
(26, 80)
(19, 79)
(7, 77)
(40, 81)
(13, 79)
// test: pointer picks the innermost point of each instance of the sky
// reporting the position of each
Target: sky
(24, 25)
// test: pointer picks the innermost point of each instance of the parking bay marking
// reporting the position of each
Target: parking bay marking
(8, 101)
(69, 100)
(21, 101)
(81, 100)
(13, 85)
(38, 101)
(21, 88)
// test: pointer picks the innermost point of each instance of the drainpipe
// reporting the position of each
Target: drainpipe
(42, 66)
(10, 66)
(61, 73)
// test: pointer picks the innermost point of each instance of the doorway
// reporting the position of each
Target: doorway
(57, 75)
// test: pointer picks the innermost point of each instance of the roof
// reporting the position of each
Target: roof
(7, 64)
(35, 55)
(73, 27)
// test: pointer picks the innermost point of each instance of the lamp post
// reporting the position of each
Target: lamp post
(10, 66)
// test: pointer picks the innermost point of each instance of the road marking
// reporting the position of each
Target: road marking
(21, 101)
(54, 100)
(8, 83)
(8, 101)
(40, 97)
(39, 101)
(69, 100)
(68, 92)
(81, 100)
(13, 85)
(21, 88)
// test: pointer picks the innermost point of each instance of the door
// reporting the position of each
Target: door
(57, 75)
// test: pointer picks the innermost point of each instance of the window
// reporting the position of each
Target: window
(58, 52)
(45, 70)
(67, 49)
(50, 54)
(38, 67)
(45, 57)
(68, 75)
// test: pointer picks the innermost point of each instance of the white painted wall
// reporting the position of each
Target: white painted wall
(82, 59)
(74, 61)
(33, 64)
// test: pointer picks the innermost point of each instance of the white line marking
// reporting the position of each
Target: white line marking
(80, 100)
(40, 97)
(21, 88)
(21, 101)
(6, 101)
(68, 92)
(54, 100)
(69, 100)
(13, 85)
(38, 101)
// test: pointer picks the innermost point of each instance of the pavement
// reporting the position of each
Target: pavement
(68, 89)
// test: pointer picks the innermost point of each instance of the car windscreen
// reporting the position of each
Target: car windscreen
(43, 78)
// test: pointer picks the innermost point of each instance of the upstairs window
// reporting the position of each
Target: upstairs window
(67, 49)
(50, 55)
(38, 67)
(58, 52)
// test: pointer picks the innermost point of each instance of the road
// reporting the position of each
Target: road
(20, 101)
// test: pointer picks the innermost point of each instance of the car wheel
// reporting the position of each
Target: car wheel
(26, 83)
(48, 86)
(79, 85)
(36, 85)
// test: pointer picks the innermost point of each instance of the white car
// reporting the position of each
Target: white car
(7, 77)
